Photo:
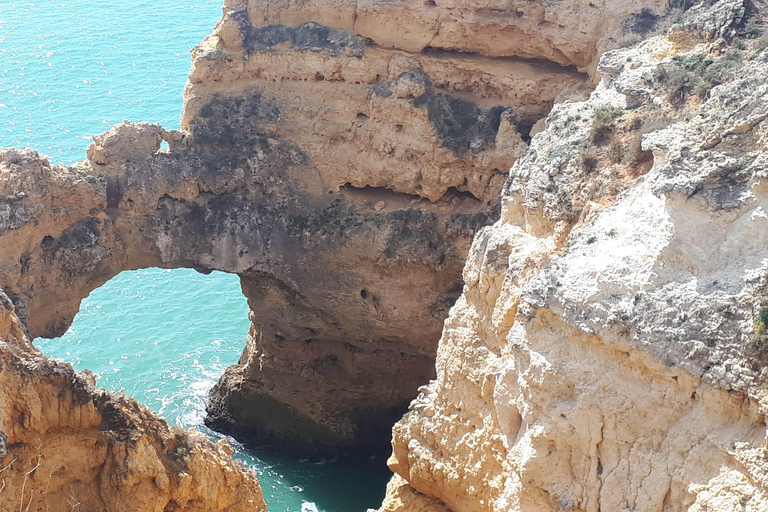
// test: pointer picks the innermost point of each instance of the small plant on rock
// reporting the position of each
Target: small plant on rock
(696, 74)
(761, 321)
(619, 152)
(604, 122)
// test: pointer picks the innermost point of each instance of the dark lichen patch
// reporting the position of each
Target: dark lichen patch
(13, 214)
(237, 122)
(467, 224)
(114, 196)
(307, 36)
(461, 125)
(642, 22)
(228, 131)
(78, 251)
(382, 89)
(84, 233)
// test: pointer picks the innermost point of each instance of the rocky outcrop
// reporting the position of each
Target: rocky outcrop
(340, 176)
(608, 351)
(428, 128)
(64, 446)
(340, 158)
(570, 32)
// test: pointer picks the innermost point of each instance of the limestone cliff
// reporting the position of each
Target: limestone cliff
(341, 157)
(340, 175)
(608, 352)
(64, 446)
(399, 106)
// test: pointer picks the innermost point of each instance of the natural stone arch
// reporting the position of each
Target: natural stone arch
(346, 301)
(347, 212)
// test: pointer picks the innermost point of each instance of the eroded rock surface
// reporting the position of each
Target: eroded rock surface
(340, 176)
(394, 126)
(608, 351)
(341, 157)
(64, 446)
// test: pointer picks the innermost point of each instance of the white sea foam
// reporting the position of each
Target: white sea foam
(309, 506)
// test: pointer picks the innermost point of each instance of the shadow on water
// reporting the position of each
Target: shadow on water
(351, 481)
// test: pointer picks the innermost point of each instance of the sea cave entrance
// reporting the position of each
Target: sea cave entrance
(164, 337)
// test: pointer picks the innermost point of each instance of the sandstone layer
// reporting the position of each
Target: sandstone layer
(64, 446)
(608, 352)
(429, 128)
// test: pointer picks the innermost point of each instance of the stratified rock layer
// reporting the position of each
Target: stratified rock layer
(342, 178)
(608, 351)
(393, 126)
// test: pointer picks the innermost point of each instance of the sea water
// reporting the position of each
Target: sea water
(70, 69)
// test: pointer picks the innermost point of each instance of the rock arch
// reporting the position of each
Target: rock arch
(302, 259)
(342, 177)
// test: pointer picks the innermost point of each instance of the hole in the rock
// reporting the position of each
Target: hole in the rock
(375, 194)
(364, 294)
(164, 146)
(525, 132)
(430, 3)
(165, 337)
(454, 193)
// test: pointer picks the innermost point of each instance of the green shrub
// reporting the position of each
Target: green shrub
(753, 28)
(607, 114)
(695, 74)
(761, 321)
(604, 122)
(619, 152)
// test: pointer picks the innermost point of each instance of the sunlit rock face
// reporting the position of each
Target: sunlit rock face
(608, 352)
(411, 134)
(65, 446)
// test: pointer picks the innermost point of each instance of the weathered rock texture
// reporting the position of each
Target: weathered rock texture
(64, 446)
(340, 158)
(340, 174)
(393, 106)
(609, 351)
(570, 32)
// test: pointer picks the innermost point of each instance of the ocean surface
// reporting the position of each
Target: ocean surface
(72, 69)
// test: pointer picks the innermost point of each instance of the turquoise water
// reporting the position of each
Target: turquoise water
(69, 70)
(164, 337)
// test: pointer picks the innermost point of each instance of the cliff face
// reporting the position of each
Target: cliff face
(341, 176)
(608, 351)
(396, 107)
(570, 32)
(64, 446)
